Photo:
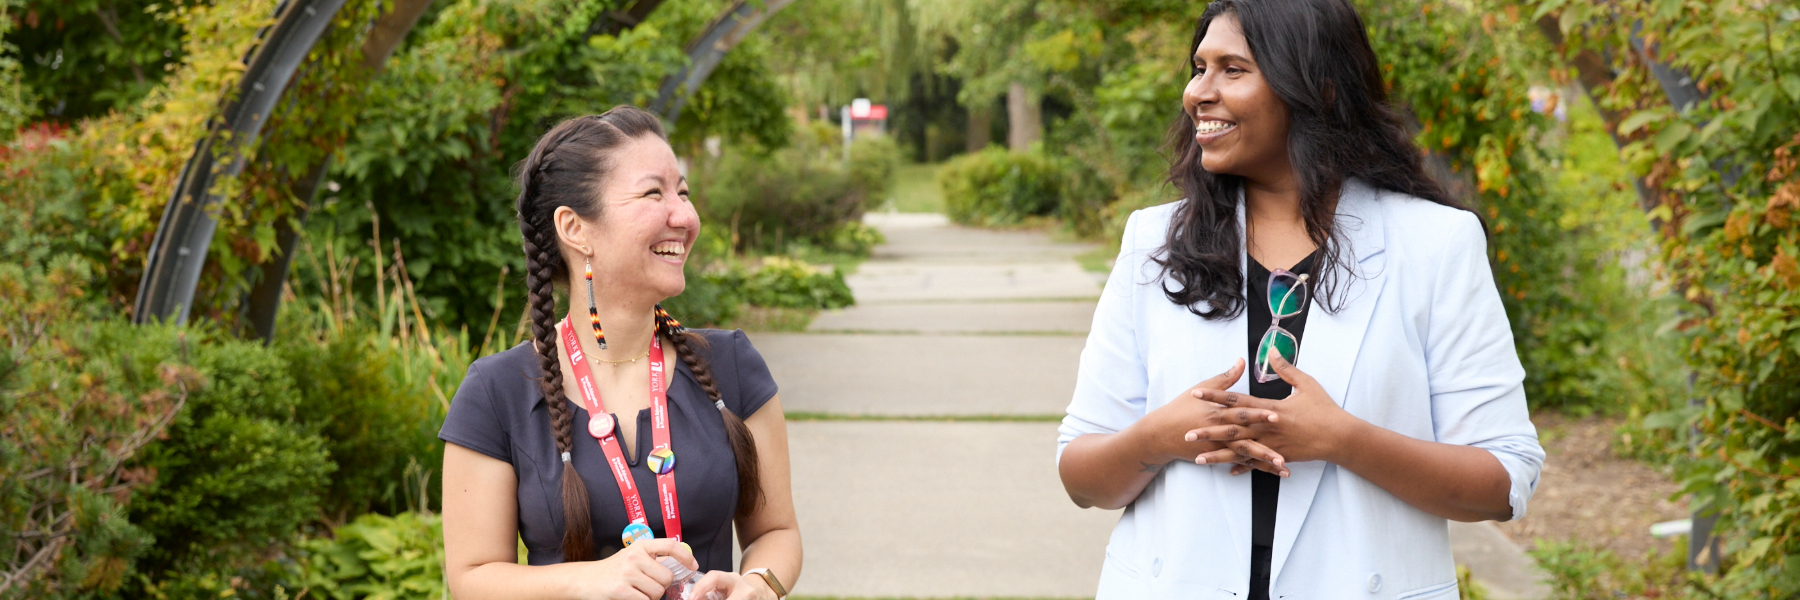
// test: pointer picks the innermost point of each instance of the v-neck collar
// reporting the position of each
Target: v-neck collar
(637, 447)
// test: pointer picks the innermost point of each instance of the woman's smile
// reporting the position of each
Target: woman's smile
(673, 251)
(1209, 130)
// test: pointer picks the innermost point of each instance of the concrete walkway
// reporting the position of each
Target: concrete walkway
(983, 328)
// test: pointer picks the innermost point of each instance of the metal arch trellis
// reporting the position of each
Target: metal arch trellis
(178, 251)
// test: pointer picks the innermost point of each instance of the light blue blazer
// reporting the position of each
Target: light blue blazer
(1421, 346)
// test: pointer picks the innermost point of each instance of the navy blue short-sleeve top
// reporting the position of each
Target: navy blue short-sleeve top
(499, 411)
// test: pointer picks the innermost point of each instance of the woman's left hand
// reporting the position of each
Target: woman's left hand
(732, 586)
(1308, 425)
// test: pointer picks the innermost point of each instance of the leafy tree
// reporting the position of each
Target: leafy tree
(88, 57)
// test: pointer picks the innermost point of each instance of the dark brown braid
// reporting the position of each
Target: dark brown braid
(743, 443)
(566, 169)
(542, 264)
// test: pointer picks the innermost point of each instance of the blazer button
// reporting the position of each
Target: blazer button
(1375, 583)
(1156, 568)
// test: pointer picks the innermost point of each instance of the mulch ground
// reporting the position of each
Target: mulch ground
(1590, 494)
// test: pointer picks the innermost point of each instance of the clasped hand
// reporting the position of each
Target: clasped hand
(1266, 435)
(635, 573)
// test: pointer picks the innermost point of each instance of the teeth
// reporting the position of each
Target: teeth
(669, 249)
(1212, 126)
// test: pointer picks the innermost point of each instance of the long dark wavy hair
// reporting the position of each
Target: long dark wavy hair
(566, 168)
(1316, 57)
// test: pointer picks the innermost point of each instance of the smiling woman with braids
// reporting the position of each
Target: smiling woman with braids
(536, 449)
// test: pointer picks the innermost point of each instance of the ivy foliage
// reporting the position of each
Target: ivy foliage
(1723, 183)
(106, 179)
(1463, 76)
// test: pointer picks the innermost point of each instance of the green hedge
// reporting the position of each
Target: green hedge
(999, 187)
(805, 194)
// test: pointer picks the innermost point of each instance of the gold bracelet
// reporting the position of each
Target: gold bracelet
(769, 578)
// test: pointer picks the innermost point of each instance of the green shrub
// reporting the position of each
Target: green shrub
(81, 391)
(873, 161)
(715, 298)
(378, 556)
(788, 283)
(854, 238)
(800, 194)
(372, 426)
(239, 473)
(709, 300)
(1578, 571)
(1000, 187)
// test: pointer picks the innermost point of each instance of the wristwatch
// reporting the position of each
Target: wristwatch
(774, 584)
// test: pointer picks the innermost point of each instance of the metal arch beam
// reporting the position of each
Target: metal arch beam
(178, 252)
(263, 303)
(706, 52)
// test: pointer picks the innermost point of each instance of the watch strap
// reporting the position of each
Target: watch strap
(769, 578)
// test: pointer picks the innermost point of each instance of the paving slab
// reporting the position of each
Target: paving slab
(959, 244)
(1064, 317)
(899, 220)
(931, 238)
(940, 510)
(881, 283)
(914, 375)
(1496, 562)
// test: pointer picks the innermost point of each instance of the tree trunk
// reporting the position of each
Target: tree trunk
(981, 127)
(1024, 117)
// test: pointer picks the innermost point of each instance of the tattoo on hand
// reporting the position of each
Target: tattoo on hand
(1149, 468)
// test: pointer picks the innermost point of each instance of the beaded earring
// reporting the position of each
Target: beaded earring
(593, 309)
(667, 323)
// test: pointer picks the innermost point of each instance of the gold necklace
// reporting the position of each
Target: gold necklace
(627, 360)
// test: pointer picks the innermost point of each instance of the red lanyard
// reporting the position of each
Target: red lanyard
(601, 426)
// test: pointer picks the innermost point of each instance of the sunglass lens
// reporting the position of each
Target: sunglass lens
(1287, 295)
(1276, 341)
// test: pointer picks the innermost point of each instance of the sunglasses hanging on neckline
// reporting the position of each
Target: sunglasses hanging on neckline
(1287, 297)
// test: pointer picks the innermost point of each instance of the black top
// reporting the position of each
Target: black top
(499, 411)
(1265, 489)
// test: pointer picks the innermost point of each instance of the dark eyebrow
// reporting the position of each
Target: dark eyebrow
(1228, 58)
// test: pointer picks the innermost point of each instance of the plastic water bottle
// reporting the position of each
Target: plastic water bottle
(683, 585)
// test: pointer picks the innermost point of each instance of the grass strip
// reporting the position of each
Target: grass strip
(990, 418)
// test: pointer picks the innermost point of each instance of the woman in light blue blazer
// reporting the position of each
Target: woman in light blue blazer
(1310, 233)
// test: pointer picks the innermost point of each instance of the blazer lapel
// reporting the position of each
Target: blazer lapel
(1330, 344)
(1233, 493)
